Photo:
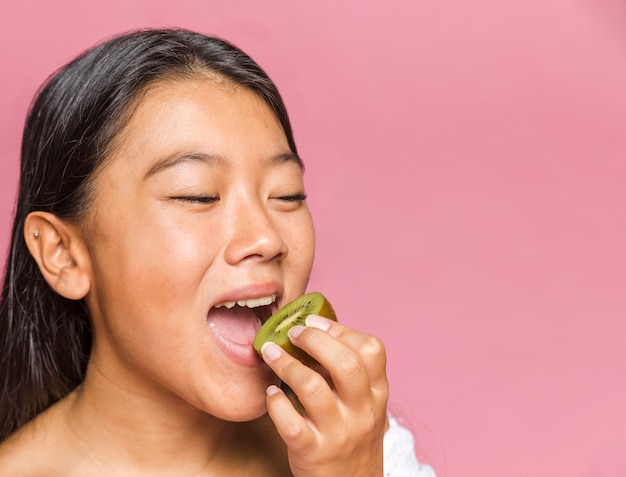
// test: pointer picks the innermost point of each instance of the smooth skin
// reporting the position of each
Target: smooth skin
(200, 202)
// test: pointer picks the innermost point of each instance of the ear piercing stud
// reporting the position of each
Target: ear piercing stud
(36, 235)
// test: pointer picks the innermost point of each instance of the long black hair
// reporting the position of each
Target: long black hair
(45, 339)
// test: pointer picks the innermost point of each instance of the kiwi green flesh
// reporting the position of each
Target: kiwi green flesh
(276, 328)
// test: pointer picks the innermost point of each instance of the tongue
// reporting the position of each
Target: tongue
(238, 324)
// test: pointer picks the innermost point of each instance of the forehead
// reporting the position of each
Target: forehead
(194, 118)
(205, 105)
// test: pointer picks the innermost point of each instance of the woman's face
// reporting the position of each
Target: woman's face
(200, 205)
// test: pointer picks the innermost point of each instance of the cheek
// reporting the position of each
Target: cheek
(148, 289)
(151, 256)
(175, 240)
(301, 242)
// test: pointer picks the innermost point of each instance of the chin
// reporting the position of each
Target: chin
(239, 403)
(251, 412)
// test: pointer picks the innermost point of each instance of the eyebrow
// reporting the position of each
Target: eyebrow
(215, 160)
(174, 160)
(287, 157)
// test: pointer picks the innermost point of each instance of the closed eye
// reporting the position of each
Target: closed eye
(292, 197)
(197, 199)
(289, 202)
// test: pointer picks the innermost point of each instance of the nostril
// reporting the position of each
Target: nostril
(264, 244)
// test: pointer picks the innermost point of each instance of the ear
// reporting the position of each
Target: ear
(60, 251)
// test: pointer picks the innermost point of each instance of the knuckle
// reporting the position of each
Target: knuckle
(349, 364)
(384, 394)
(373, 421)
(289, 366)
(372, 349)
(344, 442)
(311, 336)
(313, 386)
(294, 432)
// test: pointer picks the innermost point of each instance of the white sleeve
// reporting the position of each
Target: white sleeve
(399, 458)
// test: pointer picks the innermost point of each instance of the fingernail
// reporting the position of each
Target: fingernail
(319, 322)
(296, 331)
(271, 350)
(272, 389)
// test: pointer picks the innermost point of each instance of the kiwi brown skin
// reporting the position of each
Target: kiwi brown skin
(294, 313)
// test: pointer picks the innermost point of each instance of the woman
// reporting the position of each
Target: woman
(160, 182)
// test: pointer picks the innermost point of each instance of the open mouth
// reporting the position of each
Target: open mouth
(238, 322)
(262, 307)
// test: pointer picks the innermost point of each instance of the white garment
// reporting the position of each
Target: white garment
(399, 453)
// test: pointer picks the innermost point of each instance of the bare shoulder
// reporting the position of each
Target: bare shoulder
(36, 449)
(21, 455)
(17, 457)
(48, 447)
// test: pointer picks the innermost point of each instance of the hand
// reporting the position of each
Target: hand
(342, 432)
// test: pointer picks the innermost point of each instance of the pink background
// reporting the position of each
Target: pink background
(467, 170)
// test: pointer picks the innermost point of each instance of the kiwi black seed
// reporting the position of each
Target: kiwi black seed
(293, 313)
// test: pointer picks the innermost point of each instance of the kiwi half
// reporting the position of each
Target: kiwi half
(293, 313)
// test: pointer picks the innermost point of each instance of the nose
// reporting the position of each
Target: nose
(253, 235)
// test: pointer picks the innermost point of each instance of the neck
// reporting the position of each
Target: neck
(136, 430)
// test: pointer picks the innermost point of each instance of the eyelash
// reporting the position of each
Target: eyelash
(293, 198)
(203, 199)
(200, 199)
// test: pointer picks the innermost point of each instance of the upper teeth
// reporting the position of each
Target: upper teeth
(250, 303)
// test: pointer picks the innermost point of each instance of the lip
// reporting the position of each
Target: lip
(254, 290)
(241, 353)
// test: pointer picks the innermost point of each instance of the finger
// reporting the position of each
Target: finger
(370, 348)
(346, 368)
(291, 426)
(293, 397)
(311, 388)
